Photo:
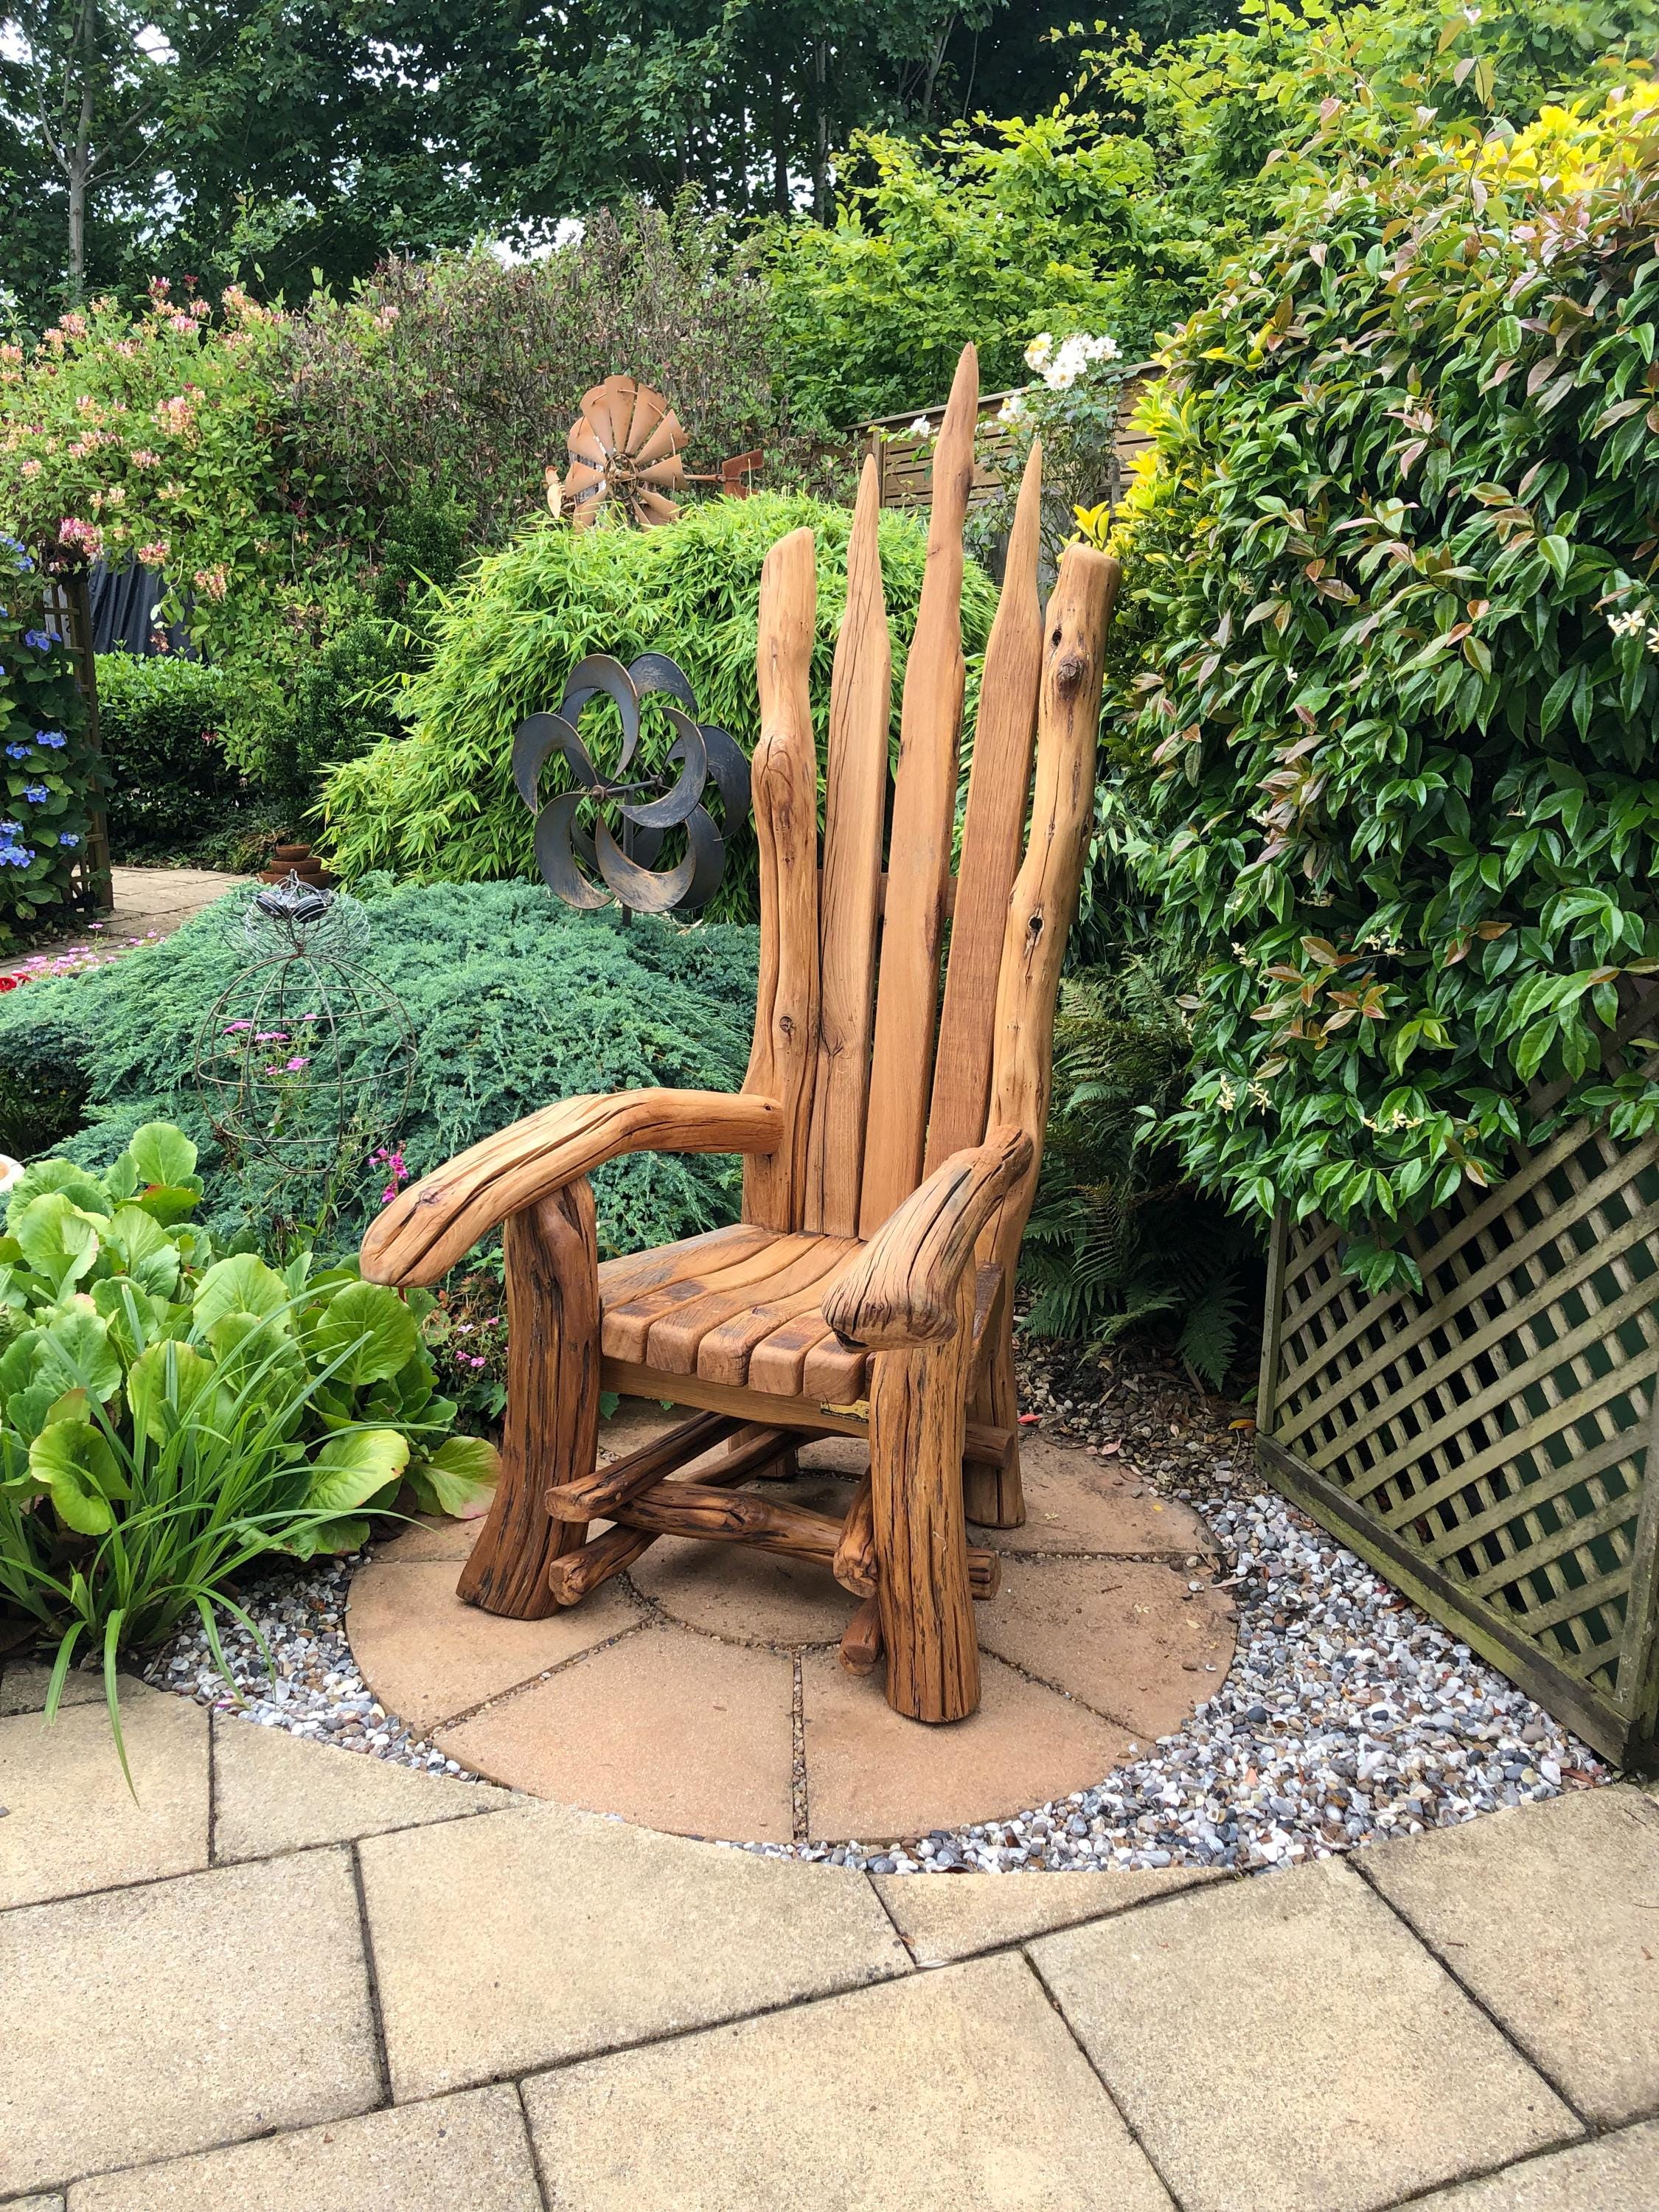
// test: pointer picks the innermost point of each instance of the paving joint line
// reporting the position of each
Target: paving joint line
(799, 1786)
(876, 1891)
(513, 1690)
(543, 2190)
(212, 1788)
(1473, 1995)
(1594, 2135)
(371, 1973)
(1082, 2049)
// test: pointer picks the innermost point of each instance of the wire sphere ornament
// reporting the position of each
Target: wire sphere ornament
(304, 1064)
(648, 805)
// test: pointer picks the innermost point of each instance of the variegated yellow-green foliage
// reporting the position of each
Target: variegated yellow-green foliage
(1402, 719)
(440, 803)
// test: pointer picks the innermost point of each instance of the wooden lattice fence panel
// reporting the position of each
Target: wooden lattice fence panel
(906, 464)
(1489, 1443)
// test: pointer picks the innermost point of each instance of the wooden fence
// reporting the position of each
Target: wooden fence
(1490, 1443)
(906, 462)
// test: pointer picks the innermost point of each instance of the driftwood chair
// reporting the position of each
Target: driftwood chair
(890, 1141)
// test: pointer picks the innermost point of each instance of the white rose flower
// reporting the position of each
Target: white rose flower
(1037, 353)
(1012, 411)
(921, 427)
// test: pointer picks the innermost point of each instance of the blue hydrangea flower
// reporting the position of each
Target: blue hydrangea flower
(55, 739)
(67, 837)
(8, 829)
(40, 640)
(16, 856)
(17, 749)
(36, 794)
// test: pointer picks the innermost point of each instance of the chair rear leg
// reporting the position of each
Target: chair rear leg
(550, 1433)
(918, 1412)
(995, 1495)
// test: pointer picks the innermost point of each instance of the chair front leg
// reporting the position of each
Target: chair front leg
(550, 1433)
(918, 1414)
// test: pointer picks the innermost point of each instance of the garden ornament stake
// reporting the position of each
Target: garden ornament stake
(624, 445)
(304, 1065)
(649, 805)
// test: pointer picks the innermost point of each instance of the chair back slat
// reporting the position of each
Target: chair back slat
(998, 787)
(784, 781)
(919, 848)
(855, 805)
(1044, 899)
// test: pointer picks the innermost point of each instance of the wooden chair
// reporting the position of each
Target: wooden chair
(890, 1142)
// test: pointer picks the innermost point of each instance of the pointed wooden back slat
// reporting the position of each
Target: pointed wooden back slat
(919, 848)
(855, 804)
(999, 786)
(784, 781)
(1044, 900)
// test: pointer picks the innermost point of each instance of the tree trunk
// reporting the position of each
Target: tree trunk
(821, 131)
(80, 161)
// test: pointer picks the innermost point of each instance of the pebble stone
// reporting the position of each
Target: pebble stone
(1347, 1716)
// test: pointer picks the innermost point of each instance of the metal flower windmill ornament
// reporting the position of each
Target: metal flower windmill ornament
(625, 448)
(648, 804)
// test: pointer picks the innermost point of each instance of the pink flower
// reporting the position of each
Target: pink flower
(31, 468)
(216, 582)
(299, 1060)
(231, 1028)
(84, 538)
(271, 1036)
(144, 459)
(156, 556)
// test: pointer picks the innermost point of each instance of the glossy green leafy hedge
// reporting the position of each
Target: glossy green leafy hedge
(1402, 722)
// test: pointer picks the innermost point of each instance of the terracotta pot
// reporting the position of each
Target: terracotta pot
(296, 861)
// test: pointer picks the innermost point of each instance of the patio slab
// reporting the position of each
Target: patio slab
(943, 1917)
(1284, 2044)
(73, 1824)
(871, 1774)
(960, 2088)
(660, 1728)
(469, 2152)
(1552, 1920)
(427, 1657)
(525, 1938)
(147, 2022)
(274, 1792)
(1618, 2174)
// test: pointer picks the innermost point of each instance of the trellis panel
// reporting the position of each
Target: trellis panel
(1489, 1442)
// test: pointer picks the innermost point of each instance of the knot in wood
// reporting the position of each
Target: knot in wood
(1070, 669)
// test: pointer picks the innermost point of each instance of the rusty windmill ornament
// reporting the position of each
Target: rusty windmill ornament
(588, 869)
(625, 448)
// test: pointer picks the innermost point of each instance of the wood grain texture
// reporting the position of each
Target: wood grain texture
(855, 802)
(993, 1490)
(733, 1516)
(860, 1640)
(998, 788)
(677, 1338)
(919, 848)
(917, 1432)
(631, 1273)
(435, 1222)
(575, 1575)
(784, 783)
(902, 1288)
(1043, 904)
(854, 1563)
(550, 1431)
(591, 1496)
(627, 1325)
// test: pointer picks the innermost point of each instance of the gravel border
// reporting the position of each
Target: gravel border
(1347, 1716)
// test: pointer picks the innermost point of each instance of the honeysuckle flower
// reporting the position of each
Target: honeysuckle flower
(154, 556)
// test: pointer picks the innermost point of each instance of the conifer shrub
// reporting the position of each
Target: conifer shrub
(514, 1002)
(440, 802)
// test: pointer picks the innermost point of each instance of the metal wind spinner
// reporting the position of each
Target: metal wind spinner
(648, 805)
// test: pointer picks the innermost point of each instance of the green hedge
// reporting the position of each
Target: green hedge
(513, 1001)
(440, 802)
(159, 724)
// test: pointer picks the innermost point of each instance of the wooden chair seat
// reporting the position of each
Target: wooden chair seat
(744, 1306)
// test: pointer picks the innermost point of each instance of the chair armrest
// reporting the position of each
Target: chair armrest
(428, 1227)
(901, 1290)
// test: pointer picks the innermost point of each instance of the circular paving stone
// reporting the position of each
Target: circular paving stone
(703, 1692)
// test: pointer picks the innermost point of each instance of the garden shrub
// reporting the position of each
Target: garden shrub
(159, 723)
(168, 1415)
(1403, 714)
(440, 803)
(1118, 1237)
(48, 779)
(514, 1002)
